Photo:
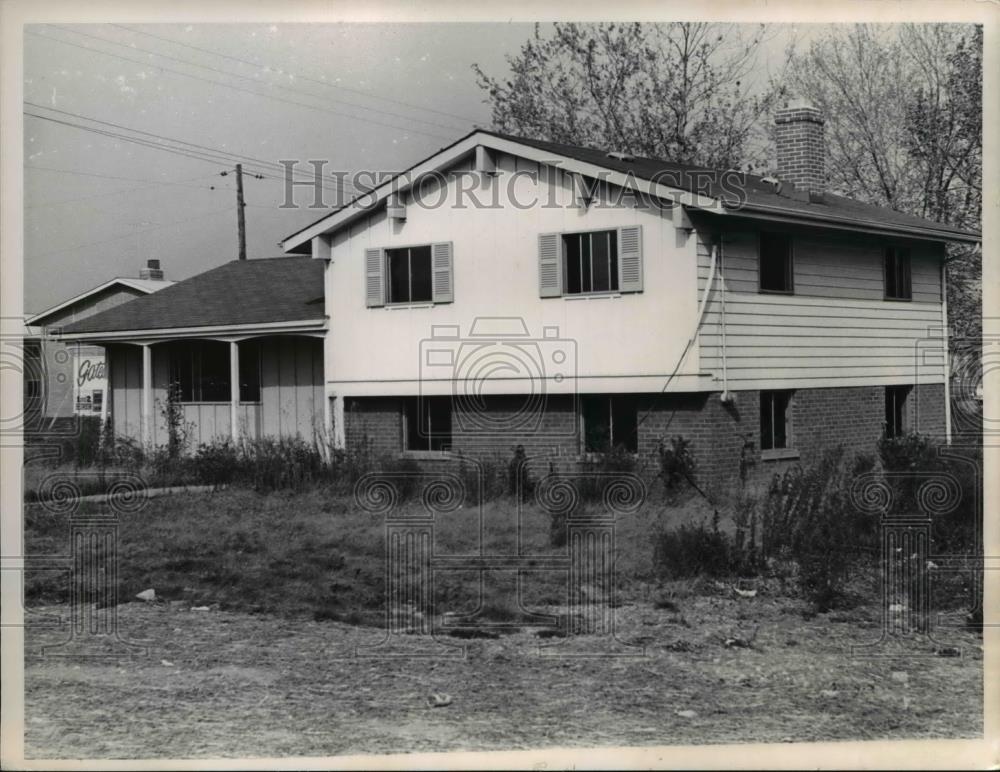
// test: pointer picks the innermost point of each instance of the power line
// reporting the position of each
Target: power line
(134, 233)
(252, 80)
(237, 88)
(319, 81)
(208, 156)
(116, 177)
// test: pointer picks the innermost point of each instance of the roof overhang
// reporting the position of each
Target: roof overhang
(778, 214)
(450, 155)
(316, 327)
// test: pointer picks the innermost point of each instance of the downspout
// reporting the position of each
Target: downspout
(947, 358)
(725, 397)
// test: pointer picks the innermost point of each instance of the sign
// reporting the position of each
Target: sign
(90, 383)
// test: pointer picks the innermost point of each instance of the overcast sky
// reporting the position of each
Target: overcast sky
(373, 96)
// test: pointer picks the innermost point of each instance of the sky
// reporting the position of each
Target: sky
(359, 96)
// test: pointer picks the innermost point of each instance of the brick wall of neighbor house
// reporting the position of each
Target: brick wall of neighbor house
(718, 433)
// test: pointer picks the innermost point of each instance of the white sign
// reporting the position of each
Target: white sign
(90, 385)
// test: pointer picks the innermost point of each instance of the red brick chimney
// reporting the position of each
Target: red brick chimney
(801, 156)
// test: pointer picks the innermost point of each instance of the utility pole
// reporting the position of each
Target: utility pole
(240, 216)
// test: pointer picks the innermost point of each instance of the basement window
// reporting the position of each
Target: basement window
(898, 285)
(775, 263)
(591, 261)
(610, 422)
(774, 420)
(427, 423)
(408, 275)
(895, 410)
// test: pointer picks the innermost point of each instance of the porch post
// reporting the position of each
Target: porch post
(335, 403)
(147, 395)
(234, 388)
(107, 388)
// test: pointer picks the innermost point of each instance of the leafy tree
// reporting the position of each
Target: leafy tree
(677, 91)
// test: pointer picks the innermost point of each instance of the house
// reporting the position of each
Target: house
(63, 379)
(509, 291)
(238, 349)
(512, 292)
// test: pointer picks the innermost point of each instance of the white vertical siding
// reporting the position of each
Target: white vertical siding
(835, 330)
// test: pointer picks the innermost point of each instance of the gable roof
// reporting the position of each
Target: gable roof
(145, 286)
(696, 186)
(241, 292)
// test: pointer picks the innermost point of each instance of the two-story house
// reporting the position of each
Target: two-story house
(507, 291)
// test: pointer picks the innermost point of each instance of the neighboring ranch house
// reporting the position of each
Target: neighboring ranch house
(242, 344)
(508, 291)
(65, 379)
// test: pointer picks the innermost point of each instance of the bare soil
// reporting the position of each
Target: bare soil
(230, 684)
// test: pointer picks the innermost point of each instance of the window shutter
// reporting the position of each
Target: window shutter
(442, 273)
(630, 259)
(549, 266)
(374, 278)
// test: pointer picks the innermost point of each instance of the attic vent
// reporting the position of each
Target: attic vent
(620, 156)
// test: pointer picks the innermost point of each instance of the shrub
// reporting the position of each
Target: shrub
(677, 465)
(694, 550)
(602, 470)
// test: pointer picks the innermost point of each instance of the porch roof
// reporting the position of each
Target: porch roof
(240, 293)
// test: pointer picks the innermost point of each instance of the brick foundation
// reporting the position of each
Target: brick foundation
(718, 433)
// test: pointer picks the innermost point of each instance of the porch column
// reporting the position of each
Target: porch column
(335, 404)
(107, 389)
(147, 395)
(234, 388)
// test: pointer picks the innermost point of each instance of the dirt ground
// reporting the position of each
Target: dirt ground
(226, 684)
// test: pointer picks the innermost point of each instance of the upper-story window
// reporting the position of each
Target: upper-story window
(408, 275)
(898, 285)
(591, 262)
(776, 263)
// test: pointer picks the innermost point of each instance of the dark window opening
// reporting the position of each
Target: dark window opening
(775, 262)
(774, 419)
(898, 284)
(427, 423)
(591, 262)
(250, 371)
(408, 272)
(199, 371)
(895, 410)
(610, 423)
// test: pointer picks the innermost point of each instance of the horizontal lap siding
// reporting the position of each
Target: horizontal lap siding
(835, 330)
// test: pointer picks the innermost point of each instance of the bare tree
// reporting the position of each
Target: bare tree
(677, 91)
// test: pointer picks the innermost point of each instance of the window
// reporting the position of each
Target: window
(591, 261)
(427, 423)
(897, 274)
(610, 423)
(408, 275)
(200, 370)
(250, 371)
(895, 410)
(774, 419)
(775, 262)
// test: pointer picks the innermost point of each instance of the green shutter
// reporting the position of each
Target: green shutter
(442, 273)
(630, 259)
(549, 265)
(374, 278)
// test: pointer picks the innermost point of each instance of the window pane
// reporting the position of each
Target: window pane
(420, 275)
(214, 371)
(596, 423)
(250, 371)
(624, 423)
(602, 257)
(416, 437)
(571, 248)
(780, 419)
(438, 410)
(775, 262)
(586, 273)
(398, 270)
(890, 273)
(766, 420)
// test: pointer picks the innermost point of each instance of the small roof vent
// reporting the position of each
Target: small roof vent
(621, 156)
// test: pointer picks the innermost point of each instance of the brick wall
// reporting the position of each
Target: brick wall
(718, 433)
